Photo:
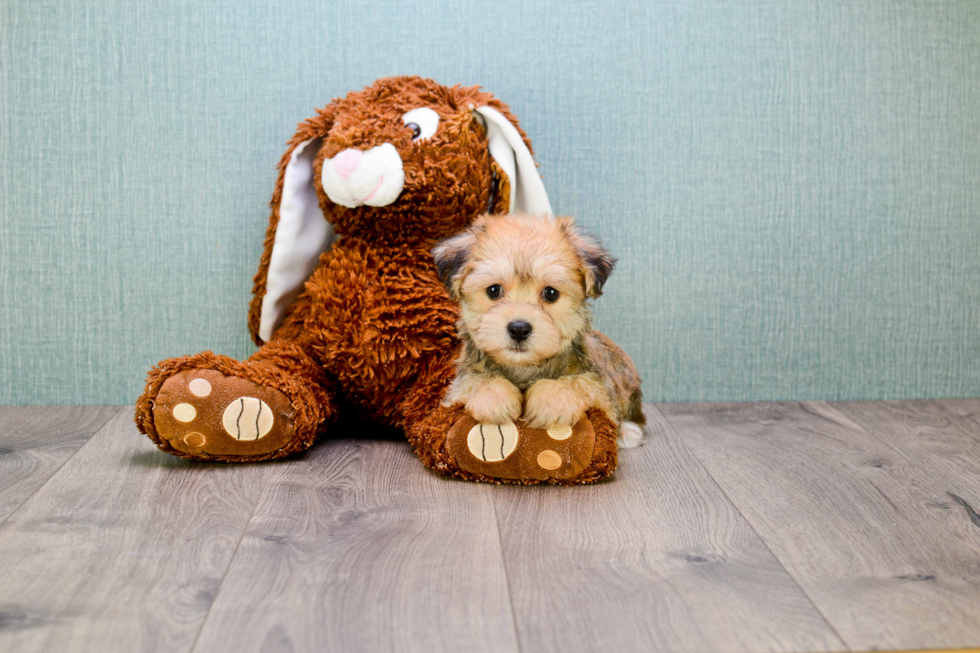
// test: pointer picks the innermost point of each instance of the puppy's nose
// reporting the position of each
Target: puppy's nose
(519, 331)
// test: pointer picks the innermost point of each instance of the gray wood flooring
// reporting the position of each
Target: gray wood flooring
(737, 527)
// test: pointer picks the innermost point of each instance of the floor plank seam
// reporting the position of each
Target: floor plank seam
(847, 647)
(503, 564)
(231, 561)
(852, 423)
(842, 412)
(971, 514)
(95, 432)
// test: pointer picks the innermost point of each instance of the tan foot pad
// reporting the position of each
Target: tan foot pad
(206, 412)
(513, 451)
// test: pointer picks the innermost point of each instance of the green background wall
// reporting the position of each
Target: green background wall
(793, 188)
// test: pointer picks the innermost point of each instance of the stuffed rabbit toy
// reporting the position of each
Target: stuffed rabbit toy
(348, 308)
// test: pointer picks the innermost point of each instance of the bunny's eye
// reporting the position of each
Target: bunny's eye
(422, 121)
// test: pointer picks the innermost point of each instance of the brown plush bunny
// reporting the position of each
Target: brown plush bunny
(352, 318)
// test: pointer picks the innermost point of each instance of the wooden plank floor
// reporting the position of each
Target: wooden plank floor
(737, 527)
(36, 441)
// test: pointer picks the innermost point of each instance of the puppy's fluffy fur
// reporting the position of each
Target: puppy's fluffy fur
(538, 273)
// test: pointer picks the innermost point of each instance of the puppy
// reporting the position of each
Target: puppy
(529, 351)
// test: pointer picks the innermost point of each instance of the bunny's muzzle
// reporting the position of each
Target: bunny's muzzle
(373, 177)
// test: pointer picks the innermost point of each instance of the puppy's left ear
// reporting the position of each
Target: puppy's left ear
(451, 257)
(597, 263)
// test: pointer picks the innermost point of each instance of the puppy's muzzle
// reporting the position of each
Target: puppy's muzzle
(519, 330)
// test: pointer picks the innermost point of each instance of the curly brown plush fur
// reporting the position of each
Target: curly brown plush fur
(373, 331)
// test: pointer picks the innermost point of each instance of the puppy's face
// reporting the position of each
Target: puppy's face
(522, 283)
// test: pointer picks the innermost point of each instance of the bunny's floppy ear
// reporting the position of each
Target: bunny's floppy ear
(298, 234)
(527, 193)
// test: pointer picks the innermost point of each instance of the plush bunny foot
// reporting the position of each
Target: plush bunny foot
(218, 414)
(514, 453)
(205, 412)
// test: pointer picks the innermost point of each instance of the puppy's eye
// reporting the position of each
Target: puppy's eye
(551, 295)
(422, 121)
(493, 292)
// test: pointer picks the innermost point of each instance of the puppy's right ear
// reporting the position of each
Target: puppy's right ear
(451, 257)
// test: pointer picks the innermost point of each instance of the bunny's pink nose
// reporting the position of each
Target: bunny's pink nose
(346, 162)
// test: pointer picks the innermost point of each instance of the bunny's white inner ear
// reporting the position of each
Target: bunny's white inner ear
(301, 236)
(527, 193)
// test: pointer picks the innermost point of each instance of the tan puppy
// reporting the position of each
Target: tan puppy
(529, 351)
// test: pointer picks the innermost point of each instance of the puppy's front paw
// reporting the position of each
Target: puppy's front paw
(494, 401)
(553, 403)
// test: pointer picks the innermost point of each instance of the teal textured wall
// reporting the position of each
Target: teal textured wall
(793, 188)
